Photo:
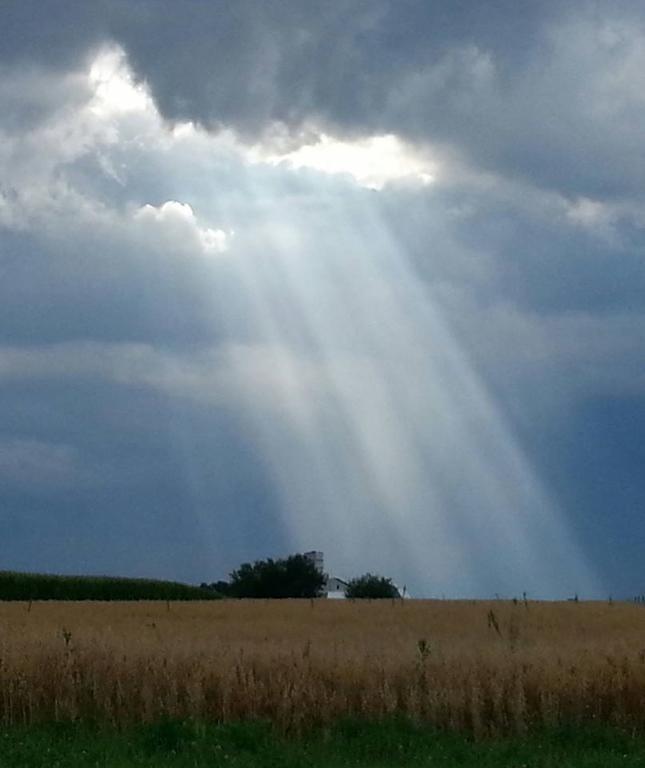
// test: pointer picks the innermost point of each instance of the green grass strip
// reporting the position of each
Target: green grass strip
(357, 744)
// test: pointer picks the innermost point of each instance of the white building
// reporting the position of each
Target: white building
(334, 587)
(317, 558)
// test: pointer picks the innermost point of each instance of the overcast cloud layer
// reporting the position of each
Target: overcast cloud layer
(360, 277)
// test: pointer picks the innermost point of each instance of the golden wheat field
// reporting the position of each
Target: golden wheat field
(486, 667)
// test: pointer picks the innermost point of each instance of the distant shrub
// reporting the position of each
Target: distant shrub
(370, 586)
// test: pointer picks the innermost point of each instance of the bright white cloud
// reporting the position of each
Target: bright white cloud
(371, 161)
(114, 88)
(107, 121)
(175, 222)
(603, 219)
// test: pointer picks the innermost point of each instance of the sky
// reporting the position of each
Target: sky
(360, 277)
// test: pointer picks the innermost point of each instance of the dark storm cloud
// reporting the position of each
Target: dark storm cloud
(208, 63)
(546, 91)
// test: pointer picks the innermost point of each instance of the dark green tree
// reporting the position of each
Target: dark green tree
(372, 587)
(221, 588)
(294, 576)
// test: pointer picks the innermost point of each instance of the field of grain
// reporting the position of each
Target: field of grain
(489, 668)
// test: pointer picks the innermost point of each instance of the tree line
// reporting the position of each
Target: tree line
(291, 577)
(295, 577)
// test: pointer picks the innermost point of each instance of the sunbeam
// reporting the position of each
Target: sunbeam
(387, 448)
